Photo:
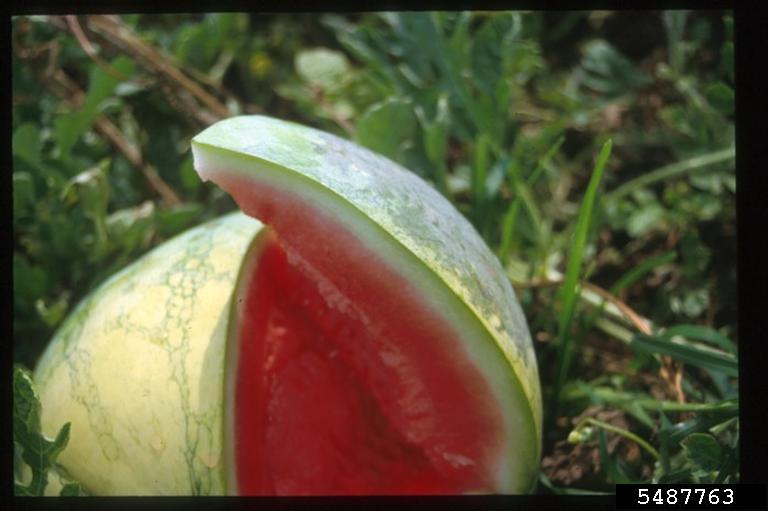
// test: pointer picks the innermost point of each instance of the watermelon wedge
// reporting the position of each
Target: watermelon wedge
(359, 338)
(415, 352)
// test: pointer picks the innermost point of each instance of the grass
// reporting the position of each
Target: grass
(569, 289)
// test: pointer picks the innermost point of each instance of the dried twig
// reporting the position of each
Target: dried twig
(117, 32)
(642, 324)
(670, 371)
(85, 44)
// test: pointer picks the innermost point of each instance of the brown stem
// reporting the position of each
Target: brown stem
(85, 44)
(642, 324)
(116, 31)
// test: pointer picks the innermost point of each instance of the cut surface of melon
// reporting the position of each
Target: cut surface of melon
(335, 399)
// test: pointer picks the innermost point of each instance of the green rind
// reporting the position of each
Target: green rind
(415, 230)
(138, 368)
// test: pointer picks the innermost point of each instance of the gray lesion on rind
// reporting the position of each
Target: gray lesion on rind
(402, 204)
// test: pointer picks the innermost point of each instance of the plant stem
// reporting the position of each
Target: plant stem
(619, 431)
(613, 397)
(668, 171)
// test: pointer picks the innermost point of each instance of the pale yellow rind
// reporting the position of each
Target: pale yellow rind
(138, 368)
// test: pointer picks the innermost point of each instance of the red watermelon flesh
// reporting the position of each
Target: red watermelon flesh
(347, 382)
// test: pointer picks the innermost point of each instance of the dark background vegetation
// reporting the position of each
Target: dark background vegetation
(631, 302)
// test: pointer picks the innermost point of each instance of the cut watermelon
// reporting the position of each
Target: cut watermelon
(365, 342)
(396, 337)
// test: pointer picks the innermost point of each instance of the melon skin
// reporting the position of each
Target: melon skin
(138, 368)
(323, 194)
(394, 212)
(143, 367)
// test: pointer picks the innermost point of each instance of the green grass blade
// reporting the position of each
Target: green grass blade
(701, 333)
(688, 354)
(675, 433)
(480, 164)
(607, 396)
(628, 279)
(508, 229)
(641, 270)
(690, 165)
(568, 292)
(544, 480)
(524, 196)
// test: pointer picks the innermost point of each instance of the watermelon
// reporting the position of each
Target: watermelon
(358, 338)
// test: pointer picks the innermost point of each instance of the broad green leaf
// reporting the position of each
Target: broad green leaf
(356, 41)
(675, 433)
(23, 193)
(189, 178)
(174, 220)
(721, 96)
(645, 219)
(703, 450)
(420, 38)
(129, 228)
(435, 134)
(387, 126)
(695, 254)
(69, 127)
(491, 48)
(29, 281)
(91, 190)
(321, 66)
(52, 314)
(27, 145)
(609, 72)
(26, 407)
(38, 452)
(194, 45)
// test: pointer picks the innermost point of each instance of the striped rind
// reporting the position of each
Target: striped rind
(138, 368)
